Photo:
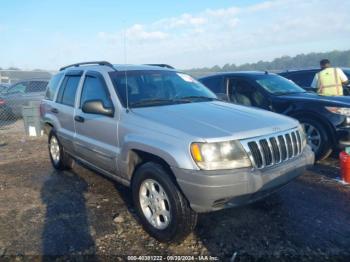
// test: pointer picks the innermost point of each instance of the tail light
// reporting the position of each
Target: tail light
(2, 101)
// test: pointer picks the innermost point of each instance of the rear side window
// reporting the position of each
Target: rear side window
(52, 86)
(215, 84)
(68, 90)
(95, 88)
(303, 79)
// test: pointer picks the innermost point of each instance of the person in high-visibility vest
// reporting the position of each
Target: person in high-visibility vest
(330, 80)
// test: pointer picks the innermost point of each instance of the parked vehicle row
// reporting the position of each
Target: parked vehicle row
(14, 97)
(304, 78)
(326, 120)
(167, 137)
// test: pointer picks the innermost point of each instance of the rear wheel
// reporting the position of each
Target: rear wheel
(317, 138)
(59, 158)
(164, 212)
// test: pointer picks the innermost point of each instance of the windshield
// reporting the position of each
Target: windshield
(156, 87)
(278, 85)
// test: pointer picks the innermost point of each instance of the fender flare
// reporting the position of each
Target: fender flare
(161, 149)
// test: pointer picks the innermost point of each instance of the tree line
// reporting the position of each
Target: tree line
(311, 60)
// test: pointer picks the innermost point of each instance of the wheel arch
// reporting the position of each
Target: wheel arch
(137, 157)
(322, 120)
(47, 127)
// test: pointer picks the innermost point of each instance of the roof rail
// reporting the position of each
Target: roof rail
(161, 65)
(104, 63)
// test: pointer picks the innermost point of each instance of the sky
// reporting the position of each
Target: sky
(186, 34)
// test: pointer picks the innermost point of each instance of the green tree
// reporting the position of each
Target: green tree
(301, 61)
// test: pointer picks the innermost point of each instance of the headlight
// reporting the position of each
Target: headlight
(221, 155)
(345, 111)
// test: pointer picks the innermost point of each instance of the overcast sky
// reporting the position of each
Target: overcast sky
(186, 34)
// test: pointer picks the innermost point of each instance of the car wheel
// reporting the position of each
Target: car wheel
(59, 158)
(317, 138)
(164, 211)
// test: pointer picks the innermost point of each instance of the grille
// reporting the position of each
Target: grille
(271, 150)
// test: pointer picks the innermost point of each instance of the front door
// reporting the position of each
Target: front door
(96, 135)
(245, 93)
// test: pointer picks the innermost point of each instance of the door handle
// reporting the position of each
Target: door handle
(54, 110)
(79, 119)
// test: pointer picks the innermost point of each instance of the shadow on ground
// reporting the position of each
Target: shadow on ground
(66, 229)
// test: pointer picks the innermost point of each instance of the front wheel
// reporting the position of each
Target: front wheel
(164, 212)
(317, 138)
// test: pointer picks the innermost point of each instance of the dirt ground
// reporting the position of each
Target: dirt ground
(44, 212)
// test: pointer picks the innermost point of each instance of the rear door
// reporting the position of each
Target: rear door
(64, 108)
(96, 135)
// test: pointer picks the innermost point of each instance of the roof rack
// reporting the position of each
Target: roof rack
(103, 63)
(161, 65)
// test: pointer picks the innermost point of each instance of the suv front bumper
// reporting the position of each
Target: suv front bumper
(213, 190)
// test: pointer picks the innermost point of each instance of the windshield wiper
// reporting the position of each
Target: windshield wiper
(150, 102)
(186, 99)
(191, 98)
(154, 102)
(288, 93)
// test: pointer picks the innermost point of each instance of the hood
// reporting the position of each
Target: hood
(313, 97)
(213, 121)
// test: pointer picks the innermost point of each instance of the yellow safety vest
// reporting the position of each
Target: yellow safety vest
(329, 82)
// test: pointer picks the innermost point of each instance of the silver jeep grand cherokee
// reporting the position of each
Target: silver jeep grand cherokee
(165, 135)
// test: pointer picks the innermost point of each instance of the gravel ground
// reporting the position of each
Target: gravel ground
(44, 212)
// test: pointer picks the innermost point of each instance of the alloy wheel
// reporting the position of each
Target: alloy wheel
(54, 149)
(313, 136)
(155, 204)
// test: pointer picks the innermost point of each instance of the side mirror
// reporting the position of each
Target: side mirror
(97, 107)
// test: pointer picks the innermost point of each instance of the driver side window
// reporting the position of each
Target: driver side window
(243, 93)
(95, 88)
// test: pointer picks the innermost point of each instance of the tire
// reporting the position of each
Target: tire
(59, 158)
(181, 219)
(314, 129)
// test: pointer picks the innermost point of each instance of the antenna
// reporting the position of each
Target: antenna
(126, 74)
(125, 51)
(127, 92)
